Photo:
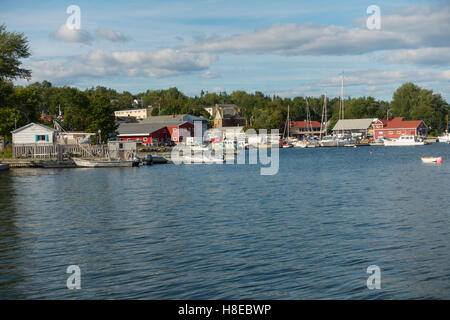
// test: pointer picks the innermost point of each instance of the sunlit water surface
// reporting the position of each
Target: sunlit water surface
(227, 232)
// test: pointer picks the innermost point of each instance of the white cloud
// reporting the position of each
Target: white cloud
(423, 56)
(164, 63)
(210, 75)
(111, 35)
(412, 28)
(381, 77)
(72, 35)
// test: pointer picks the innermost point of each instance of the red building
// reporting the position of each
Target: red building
(396, 127)
(155, 133)
(176, 129)
(305, 128)
(148, 134)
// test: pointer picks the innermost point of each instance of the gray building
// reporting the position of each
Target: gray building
(355, 127)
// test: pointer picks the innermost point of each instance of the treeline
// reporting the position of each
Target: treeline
(93, 109)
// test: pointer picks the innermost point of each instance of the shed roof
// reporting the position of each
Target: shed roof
(305, 124)
(353, 124)
(33, 124)
(180, 118)
(139, 128)
(400, 123)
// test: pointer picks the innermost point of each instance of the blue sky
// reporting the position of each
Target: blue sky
(287, 48)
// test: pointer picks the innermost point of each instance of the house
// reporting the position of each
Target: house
(139, 114)
(226, 115)
(148, 134)
(355, 127)
(176, 123)
(300, 129)
(395, 127)
(34, 133)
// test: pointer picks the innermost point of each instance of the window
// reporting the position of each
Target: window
(175, 130)
(391, 132)
(41, 137)
(399, 132)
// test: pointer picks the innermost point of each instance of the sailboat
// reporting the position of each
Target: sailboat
(340, 140)
(286, 143)
(327, 140)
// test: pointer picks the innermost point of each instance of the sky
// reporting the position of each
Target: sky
(286, 48)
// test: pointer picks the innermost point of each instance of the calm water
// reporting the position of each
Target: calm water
(226, 232)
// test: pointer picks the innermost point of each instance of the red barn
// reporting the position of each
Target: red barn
(396, 127)
(176, 128)
(148, 134)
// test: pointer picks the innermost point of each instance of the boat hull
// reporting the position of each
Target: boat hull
(85, 163)
(400, 144)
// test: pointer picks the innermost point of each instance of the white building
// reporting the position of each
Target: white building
(34, 133)
(137, 113)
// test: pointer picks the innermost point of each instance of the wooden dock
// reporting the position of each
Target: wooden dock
(39, 163)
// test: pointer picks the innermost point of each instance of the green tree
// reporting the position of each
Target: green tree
(13, 48)
(101, 117)
(415, 103)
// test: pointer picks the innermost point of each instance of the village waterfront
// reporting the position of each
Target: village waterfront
(227, 232)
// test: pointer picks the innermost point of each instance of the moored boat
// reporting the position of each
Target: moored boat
(405, 140)
(432, 159)
(101, 163)
(444, 138)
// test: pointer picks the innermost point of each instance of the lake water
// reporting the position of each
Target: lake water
(226, 232)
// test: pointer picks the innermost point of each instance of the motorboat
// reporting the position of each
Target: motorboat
(444, 138)
(405, 140)
(437, 160)
(333, 141)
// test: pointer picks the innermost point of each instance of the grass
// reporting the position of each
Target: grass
(6, 153)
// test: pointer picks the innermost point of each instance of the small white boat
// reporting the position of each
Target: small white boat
(99, 163)
(444, 138)
(405, 140)
(432, 159)
(201, 159)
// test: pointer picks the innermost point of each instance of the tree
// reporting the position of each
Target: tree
(415, 103)
(101, 117)
(13, 47)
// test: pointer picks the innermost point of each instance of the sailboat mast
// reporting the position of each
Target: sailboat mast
(324, 115)
(289, 124)
(342, 100)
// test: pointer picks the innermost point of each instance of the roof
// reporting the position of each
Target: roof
(139, 128)
(181, 118)
(33, 124)
(353, 124)
(305, 124)
(400, 123)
